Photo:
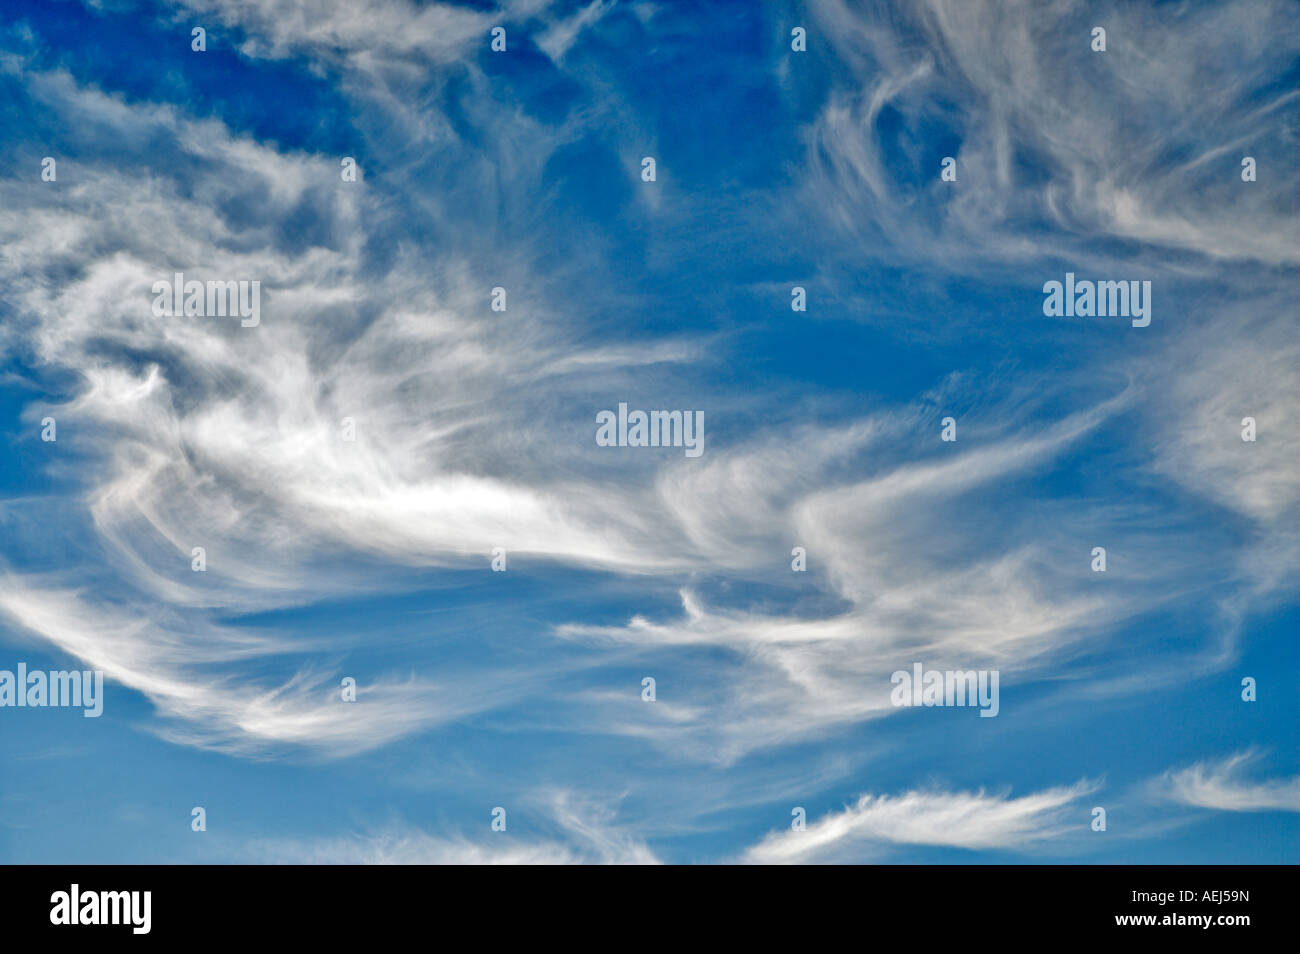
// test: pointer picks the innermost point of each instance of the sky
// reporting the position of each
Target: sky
(355, 462)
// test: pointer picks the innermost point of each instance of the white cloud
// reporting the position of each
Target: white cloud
(917, 562)
(474, 430)
(560, 36)
(376, 36)
(199, 679)
(1053, 156)
(972, 820)
(1219, 784)
(587, 834)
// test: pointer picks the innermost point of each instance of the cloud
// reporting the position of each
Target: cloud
(474, 428)
(175, 400)
(587, 834)
(560, 36)
(206, 434)
(952, 576)
(200, 679)
(1214, 378)
(1218, 784)
(380, 35)
(1054, 156)
(970, 820)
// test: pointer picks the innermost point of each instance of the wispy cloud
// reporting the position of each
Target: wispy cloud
(474, 428)
(1053, 159)
(1221, 784)
(557, 40)
(199, 680)
(972, 820)
(587, 834)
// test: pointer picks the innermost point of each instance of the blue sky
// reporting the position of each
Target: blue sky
(475, 429)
